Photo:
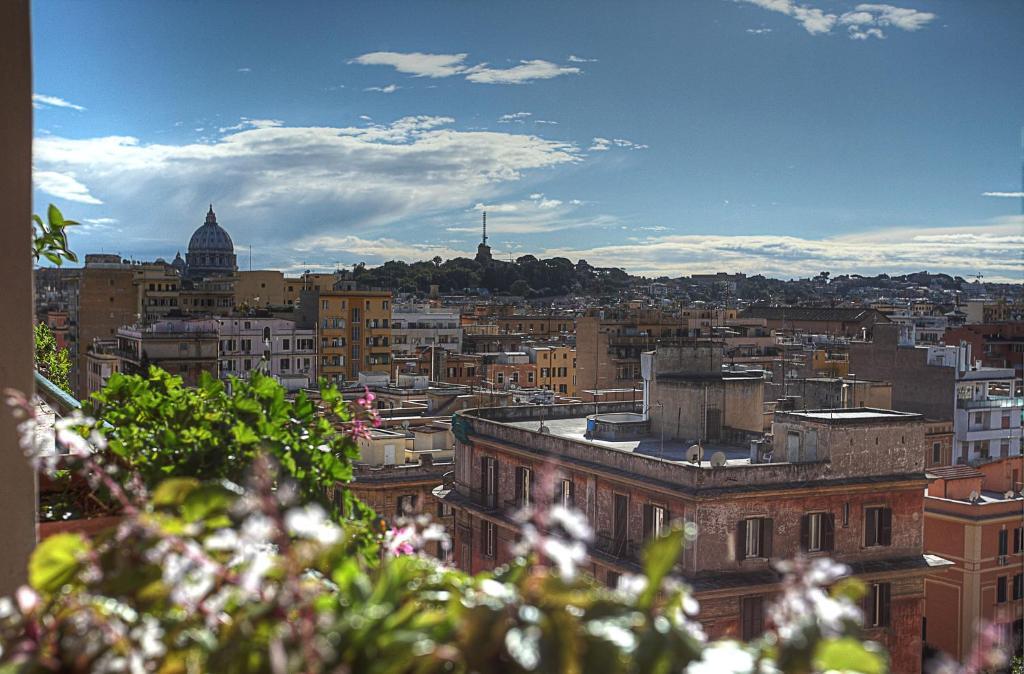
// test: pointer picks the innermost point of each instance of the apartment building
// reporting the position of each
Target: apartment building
(107, 299)
(183, 347)
(260, 288)
(945, 383)
(416, 326)
(844, 483)
(555, 368)
(994, 344)
(609, 344)
(354, 327)
(273, 346)
(973, 516)
(159, 289)
(546, 326)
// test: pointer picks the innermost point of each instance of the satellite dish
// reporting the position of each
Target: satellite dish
(1008, 494)
(718, 459)
(694, 453)
(974, 495)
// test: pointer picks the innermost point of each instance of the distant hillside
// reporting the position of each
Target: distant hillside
(527, 276)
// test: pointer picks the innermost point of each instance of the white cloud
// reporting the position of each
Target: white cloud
(446, 65)
(416, 63)
(1009, 195)
(246, 123)
(44, 101)
(537, 214)
(389, 89)
(864, 21)
(759, 31)
(518, 117)
(544, 121)
(605, 144)
(245, 70)
(283, 182)
(579, 59)
(526, 71)
(995, 248)
(63, 186)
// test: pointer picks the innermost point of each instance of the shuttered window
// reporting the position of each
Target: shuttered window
(877, 526)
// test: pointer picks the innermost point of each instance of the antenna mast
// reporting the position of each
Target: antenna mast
(485, 228)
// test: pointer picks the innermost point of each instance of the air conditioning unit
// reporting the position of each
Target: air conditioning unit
(1003, 560)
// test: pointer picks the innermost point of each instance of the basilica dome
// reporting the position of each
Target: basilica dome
(210, 250)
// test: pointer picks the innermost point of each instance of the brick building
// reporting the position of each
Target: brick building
(974, 515)
(845, 483)
(995, 344)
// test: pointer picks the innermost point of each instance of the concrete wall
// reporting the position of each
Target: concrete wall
(916, 386)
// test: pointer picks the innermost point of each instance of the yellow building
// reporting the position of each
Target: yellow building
(830, 364)
(355, 332)
(555, 368)
(260, 288)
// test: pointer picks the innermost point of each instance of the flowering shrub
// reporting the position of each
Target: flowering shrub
(211, 575)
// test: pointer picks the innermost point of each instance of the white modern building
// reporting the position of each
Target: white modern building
(274, 346)
(987, 418)
(415, 326)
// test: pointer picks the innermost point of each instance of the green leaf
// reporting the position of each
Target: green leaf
(54, 215)
(243, 434)
(659, 557)
(174, 491)
(211, 499)
(847, 654)
(55, 561)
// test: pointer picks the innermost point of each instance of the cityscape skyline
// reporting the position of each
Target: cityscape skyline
(764, 137)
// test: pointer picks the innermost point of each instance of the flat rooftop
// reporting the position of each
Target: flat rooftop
(852, 414)
(574, 428)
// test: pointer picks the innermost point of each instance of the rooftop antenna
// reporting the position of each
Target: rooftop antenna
(485, 228)
(250, 257)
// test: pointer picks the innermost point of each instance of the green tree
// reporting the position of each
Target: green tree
(159, 428)
(52, 362)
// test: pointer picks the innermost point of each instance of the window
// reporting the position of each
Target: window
(612, 578)
(817, 532)
(751, 617)
(936, 452)
(1018, 540)
(620, 523)
(524, 487)
(877, 526)
(1001, 590)
(876, 605)
(564, 494)
(1018, 586)
(1003, 542)
(285, 363)
(754, 538)
(846, 515)
(406, 505)
(489, 482)
(655, 521)
(444, 509)
(488, 538)
(286, 344)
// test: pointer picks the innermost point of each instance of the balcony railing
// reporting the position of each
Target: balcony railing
(990, 403)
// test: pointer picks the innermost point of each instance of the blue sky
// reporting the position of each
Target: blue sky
(767, 136)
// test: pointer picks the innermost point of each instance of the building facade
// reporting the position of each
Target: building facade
(864, 508)
(973, 516)
(273, 346)
(413, 327)
(354, 328)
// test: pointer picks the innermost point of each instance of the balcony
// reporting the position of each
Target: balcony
(990, 403)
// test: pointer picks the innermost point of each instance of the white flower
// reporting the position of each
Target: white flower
(573, 522)
(311, 522)
(723, 656)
